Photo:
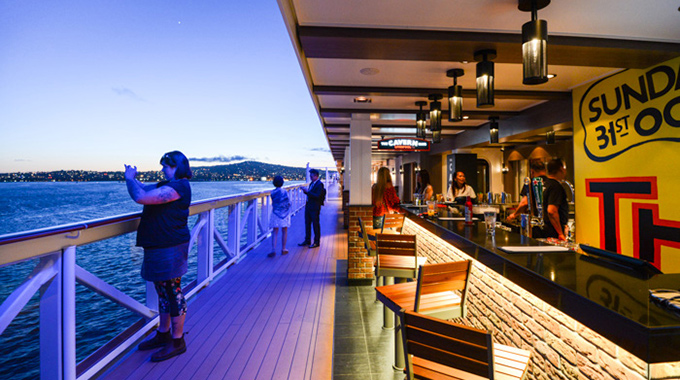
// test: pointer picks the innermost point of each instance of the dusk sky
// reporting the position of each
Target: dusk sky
(95, 84)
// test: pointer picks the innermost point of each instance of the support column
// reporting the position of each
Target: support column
(360, 265)
(398, 177)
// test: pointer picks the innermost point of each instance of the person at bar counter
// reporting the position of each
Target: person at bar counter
(315, 196)
(537, 169)
(459, 188)
(423, 186)
(384, 197)
(555, 206)
(164, 235)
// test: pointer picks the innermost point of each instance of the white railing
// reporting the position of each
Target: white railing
(56, 273)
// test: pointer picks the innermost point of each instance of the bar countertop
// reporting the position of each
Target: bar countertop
(611, 300)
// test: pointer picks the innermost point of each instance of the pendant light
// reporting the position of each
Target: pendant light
(493, 130)
(436, 137)
(534, 43)
(435, 112)
(421, 120)
(455, 95)
(550, 137)
(485, 74)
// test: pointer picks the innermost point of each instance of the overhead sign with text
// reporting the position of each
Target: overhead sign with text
(626, 155)
(404, 144)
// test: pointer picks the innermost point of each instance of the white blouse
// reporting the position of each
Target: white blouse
(467, 191)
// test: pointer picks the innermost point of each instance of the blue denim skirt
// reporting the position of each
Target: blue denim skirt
(162, 264)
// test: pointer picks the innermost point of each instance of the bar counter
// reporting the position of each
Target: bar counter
(611, 301)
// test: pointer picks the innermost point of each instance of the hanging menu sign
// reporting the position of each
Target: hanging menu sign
(404, 144)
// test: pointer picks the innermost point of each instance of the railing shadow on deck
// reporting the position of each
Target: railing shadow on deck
(56, 273)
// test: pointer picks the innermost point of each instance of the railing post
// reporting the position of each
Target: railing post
(265, 210)
(151, 296)
(251, 222)
(234, 229)
(51, 323)
(205, 244)
(68, 278)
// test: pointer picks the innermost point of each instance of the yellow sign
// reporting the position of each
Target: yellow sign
(627, 164)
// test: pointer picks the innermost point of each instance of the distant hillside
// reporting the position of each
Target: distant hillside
(243, 171)
(248, 170)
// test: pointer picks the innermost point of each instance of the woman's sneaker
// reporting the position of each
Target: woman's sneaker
(159, 340)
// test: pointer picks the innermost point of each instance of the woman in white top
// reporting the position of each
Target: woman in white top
(459, 188)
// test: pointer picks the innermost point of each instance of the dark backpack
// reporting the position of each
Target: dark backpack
(323, 196)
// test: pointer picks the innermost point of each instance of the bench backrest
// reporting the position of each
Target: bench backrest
(368, 234)
(436, 278)
(454, 346)
(394, 221)
(396, 244)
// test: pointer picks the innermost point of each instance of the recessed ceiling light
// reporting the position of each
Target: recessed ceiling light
(362, 99)
(369, 71)
(551, 76)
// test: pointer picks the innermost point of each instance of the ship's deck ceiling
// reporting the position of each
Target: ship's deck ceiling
(409, 45)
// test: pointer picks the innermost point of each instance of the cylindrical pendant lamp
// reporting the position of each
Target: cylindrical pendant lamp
(534, 43)
(493, 130)
(421, 120)
(485, 78)
(455, 95)
(436, 137)
(435, 112)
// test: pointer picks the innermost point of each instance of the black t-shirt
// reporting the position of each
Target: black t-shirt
(525, 193)
(165, 225)
(554, 194)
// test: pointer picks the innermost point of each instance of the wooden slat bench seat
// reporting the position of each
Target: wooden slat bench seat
(441, 350)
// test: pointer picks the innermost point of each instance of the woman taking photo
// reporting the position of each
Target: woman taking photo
(459, 188)
(384, 197)
(164, 235)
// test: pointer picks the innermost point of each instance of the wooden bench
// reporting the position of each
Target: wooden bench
(397, 256)
(393, 222)
(442, 350)
(441, 291)
(368, 235)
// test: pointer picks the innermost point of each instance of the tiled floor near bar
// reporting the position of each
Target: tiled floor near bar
(362, 349)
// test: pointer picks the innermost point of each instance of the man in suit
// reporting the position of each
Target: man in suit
(314, 194)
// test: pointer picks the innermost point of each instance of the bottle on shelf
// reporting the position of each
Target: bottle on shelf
(468, 210)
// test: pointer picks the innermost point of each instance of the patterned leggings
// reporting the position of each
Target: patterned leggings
(170, 297)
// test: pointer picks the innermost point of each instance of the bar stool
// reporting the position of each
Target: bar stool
(441, 292)
(397, 257)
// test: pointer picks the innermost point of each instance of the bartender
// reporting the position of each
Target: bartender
(555, 204)
(537, 169)
(459, 188)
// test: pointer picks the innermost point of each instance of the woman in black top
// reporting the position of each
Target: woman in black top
(164, 235)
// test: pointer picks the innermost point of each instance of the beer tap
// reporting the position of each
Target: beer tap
(538, 194)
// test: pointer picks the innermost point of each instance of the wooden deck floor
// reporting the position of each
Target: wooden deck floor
(266, 318)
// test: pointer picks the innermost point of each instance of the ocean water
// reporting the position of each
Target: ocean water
(35, 205)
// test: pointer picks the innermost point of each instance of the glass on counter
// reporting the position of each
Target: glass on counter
(431, 208)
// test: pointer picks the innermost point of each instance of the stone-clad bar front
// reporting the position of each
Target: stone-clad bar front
(581, 320)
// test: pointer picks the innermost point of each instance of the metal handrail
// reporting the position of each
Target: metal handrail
(56, 274)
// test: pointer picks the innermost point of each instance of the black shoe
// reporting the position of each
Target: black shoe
(158, 340)
(273, 254)
(176, 347)
(304, 243)
(315, 245)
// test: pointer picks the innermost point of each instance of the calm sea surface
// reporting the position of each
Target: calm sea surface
(28, 206)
